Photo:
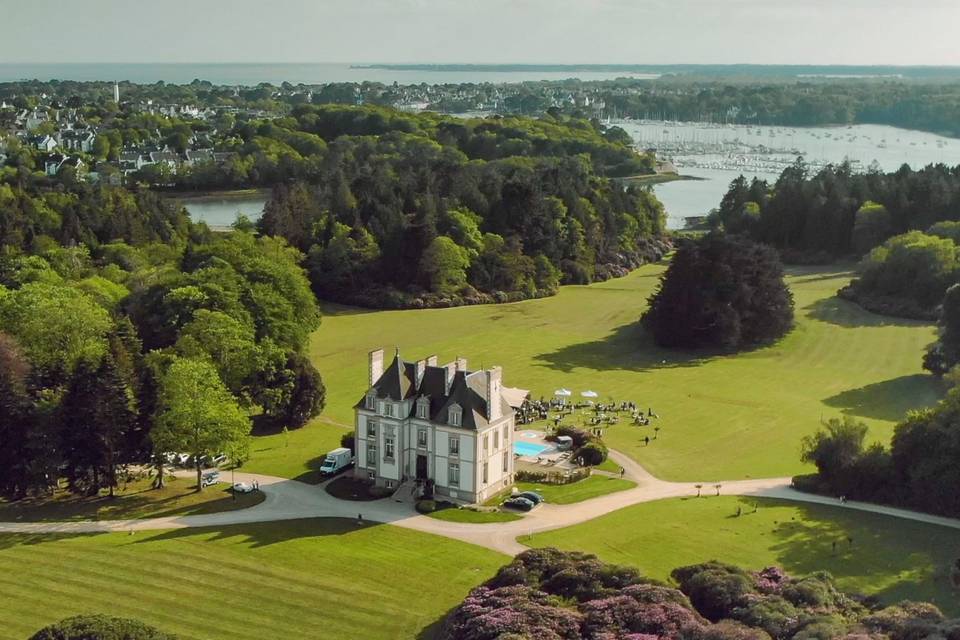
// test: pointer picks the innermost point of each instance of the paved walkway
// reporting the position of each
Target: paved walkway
(290, 500)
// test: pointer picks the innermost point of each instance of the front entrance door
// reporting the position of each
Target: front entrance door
(421, 467)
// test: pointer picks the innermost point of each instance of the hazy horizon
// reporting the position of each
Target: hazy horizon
(778, 32)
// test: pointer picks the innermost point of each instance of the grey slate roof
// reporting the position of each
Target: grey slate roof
(467, 389)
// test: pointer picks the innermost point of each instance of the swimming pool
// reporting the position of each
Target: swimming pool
(528, 448)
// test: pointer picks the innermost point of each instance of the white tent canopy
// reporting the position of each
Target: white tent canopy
(589, 394)
(563, 393)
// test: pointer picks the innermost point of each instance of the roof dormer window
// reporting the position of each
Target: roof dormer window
(371, 402)
(454, 416)
(423, 408)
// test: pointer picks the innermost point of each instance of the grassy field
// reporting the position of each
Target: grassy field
(469, 515)
(137, 500)
(894, 559)
(722, 417)
(585, 489)
(300, 579)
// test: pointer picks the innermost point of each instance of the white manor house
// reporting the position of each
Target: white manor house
(419, 421)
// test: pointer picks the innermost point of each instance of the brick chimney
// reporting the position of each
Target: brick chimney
(375, 368)
(494, 376)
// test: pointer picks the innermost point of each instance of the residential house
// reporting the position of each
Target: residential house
(44, 143)
(420, 422)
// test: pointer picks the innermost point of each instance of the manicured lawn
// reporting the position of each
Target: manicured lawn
(469, 515)
(585, 489)
(608, 465)
(297, 454)
(894, 559)
(722, 417)
(137, 500)
(299, 579)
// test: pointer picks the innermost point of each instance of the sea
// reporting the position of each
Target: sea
(295, 73)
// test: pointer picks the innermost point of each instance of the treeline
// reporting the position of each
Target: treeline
(546, 593)
(422, 211)
(917, 471)
(115, 353)
(822, 216)
(928, 107)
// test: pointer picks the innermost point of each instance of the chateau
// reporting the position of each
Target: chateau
(419, 421)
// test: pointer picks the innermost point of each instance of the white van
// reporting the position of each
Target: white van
(336, 461)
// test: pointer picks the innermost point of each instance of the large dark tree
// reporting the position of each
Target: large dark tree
(98, 627)
(722, 292)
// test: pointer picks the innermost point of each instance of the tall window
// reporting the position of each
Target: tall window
(388, 409)
(371, 401)
(506, 433)
(371, 455)
(486, 442)
(453, 474)
(423, 408)
(454, 417)
(454, 446)
(421, 437)
(485, 472)
(496, 440)
(388, 448)
(371, 429)
(506, 461)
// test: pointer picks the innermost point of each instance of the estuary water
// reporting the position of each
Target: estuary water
(719, 153)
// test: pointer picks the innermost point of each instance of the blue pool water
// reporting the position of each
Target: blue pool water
(528, 448)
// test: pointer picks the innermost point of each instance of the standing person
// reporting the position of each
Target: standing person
(622, 471)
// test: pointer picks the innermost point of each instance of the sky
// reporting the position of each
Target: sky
(921, 32)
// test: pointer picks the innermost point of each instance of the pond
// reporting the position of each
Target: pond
(220, 210)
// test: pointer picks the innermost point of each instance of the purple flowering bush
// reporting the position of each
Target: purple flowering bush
(547, 594)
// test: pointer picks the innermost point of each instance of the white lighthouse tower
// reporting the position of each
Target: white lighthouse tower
(116, 92)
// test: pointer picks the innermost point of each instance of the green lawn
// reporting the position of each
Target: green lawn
(722, 417)
(137, 500)
(589, 487)
(894, 559)
(469, 515)
(299, 579)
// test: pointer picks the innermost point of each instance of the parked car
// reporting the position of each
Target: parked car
(242, 487)
(209, 478)
(182, 459)
(532, 496)
(517, 502)
(336, 461)
(218, 459)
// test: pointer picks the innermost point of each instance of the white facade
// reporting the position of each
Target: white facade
(423, 422)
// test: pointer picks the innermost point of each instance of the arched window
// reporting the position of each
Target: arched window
(371, 401)
(423, 408)
(454, 416)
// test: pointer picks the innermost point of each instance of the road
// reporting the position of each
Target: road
(291, 500)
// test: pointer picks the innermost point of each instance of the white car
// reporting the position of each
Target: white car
(210, 478)
(183, 459)
(242, 487)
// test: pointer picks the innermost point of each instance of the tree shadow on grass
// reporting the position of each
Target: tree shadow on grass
(261, 534)
(432, 630)
(628, 348)
(910, 559)
(848, 314)
(890, 399)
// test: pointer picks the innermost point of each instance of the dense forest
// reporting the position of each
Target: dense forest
(422, 211)
(126, 333)
(831, 213)
(555, 595)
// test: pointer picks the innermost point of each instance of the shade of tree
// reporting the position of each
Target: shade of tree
(196, 414)
(944, 353)
(720, 292)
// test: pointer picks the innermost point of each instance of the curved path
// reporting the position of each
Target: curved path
(290, 500)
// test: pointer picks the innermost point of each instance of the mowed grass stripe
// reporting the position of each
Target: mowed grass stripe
(290, 579)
